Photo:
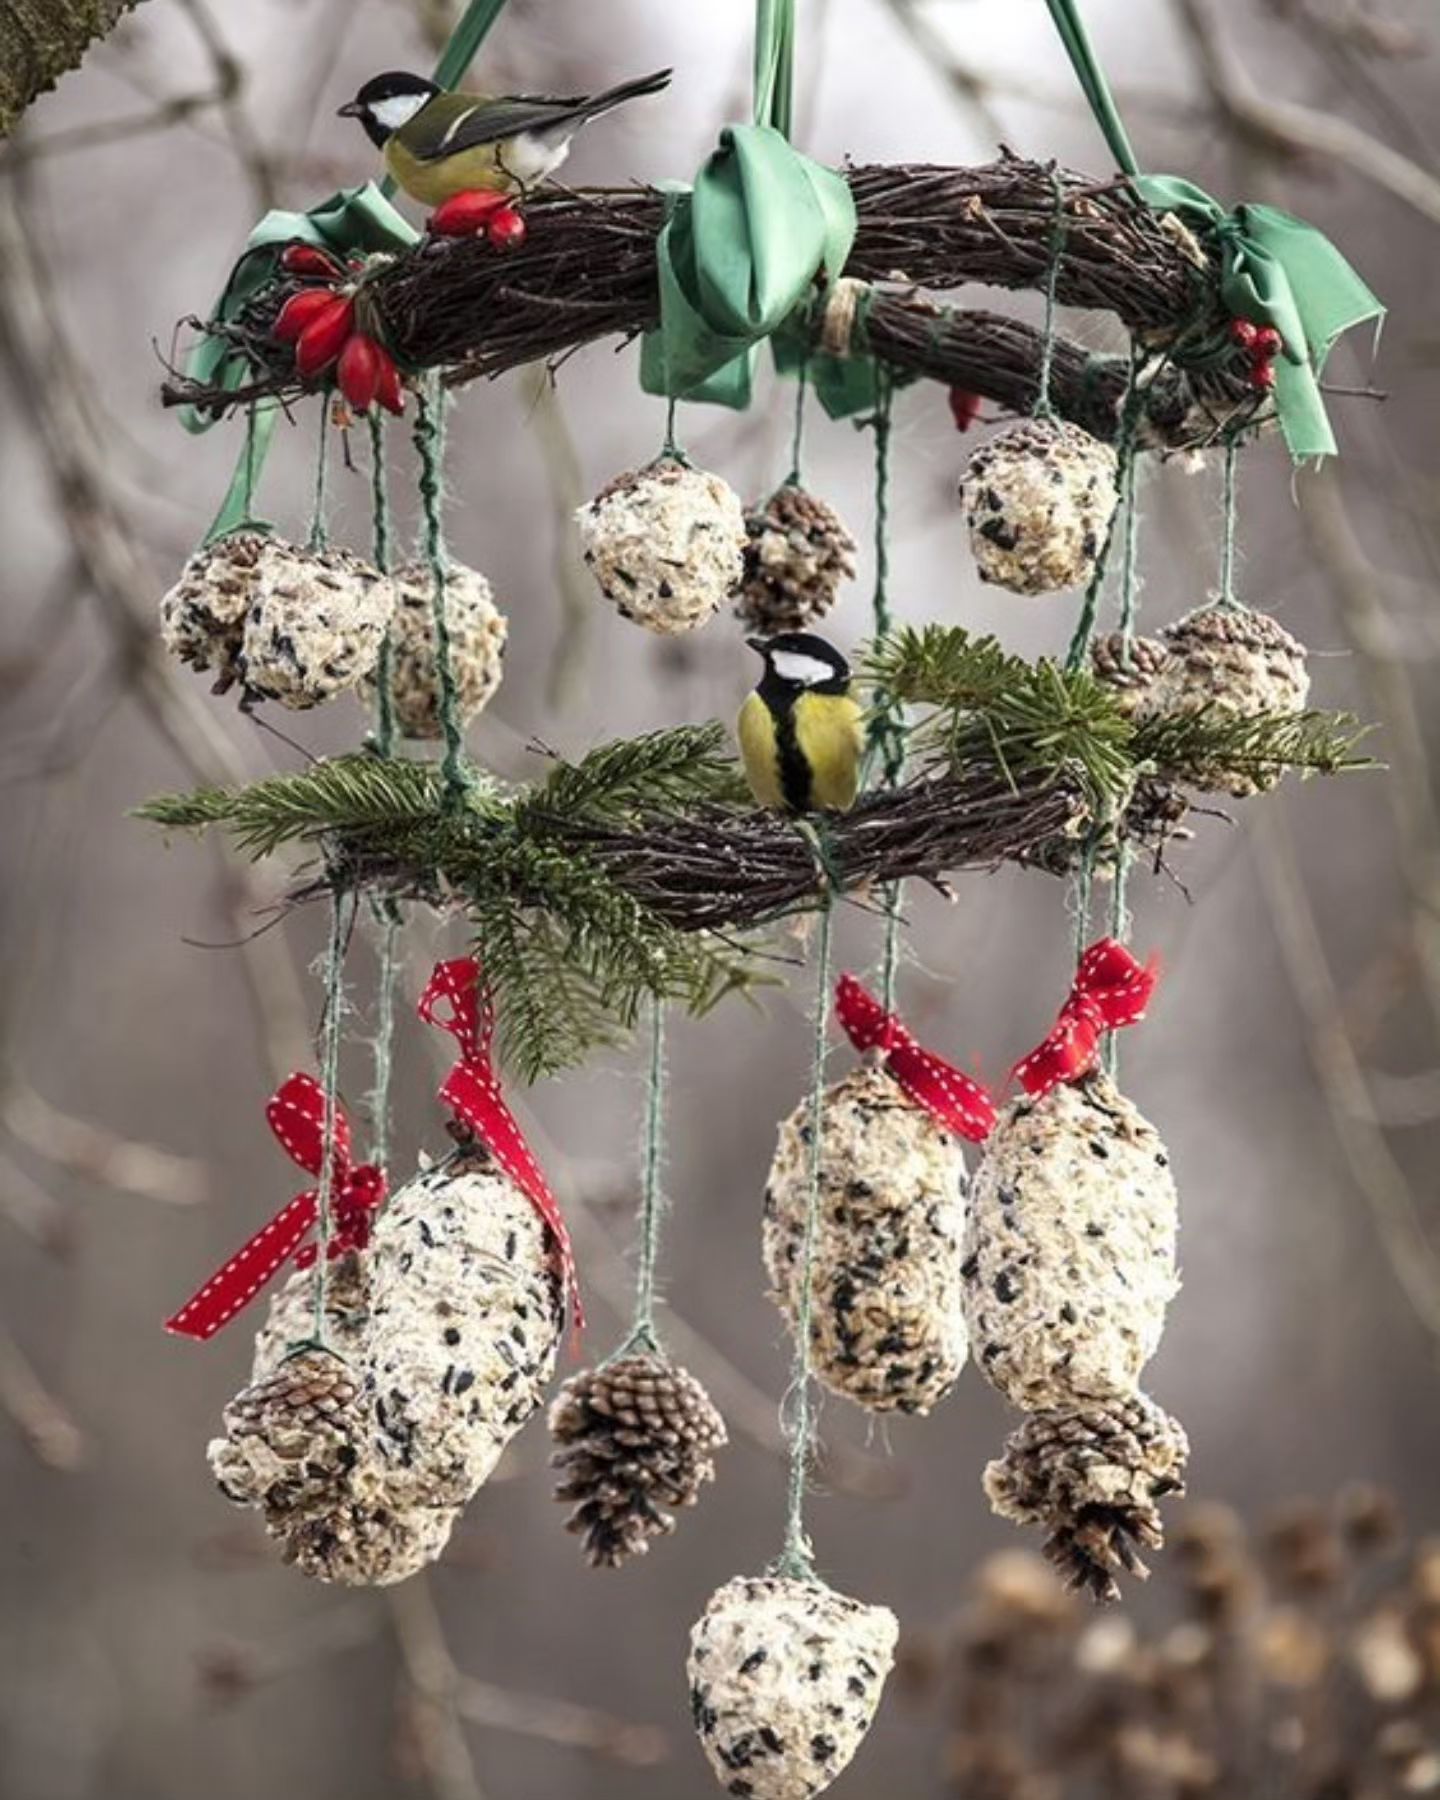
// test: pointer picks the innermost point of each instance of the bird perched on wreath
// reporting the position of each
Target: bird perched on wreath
(438, 144)
(801, 731)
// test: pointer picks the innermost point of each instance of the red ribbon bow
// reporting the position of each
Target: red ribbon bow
(1111, 989)
(296, 1111)
(957, 1101)
(472, 1092)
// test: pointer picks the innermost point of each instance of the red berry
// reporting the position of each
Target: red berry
(467, 214)
(1268, 343)
(1243, 332)
(1262, 375)
(298, 312)
(324, 337)
(964, 407)
(506, 228)
(388, 390)
(358, 371)
(309, 259)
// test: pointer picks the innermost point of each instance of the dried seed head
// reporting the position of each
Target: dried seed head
(798, 555)
(886, 1328)
(1038, 499)
(1091, 1476)
(666, 544)
(785, 1678)
(634, 1439)
(476, 629)
(316, 621)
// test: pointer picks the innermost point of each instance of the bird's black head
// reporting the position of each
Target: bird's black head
(799, 662)
(386, 102)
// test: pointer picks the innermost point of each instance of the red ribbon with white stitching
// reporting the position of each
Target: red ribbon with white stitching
(296, 1112)
(1111, 989)
(956, 1101)
(472, 1092)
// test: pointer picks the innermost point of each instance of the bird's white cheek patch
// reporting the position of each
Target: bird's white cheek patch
(398, 110)
(808, 671)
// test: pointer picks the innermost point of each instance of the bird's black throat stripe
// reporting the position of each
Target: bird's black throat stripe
(794, 769)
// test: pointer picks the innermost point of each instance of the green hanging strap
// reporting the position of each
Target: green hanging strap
(237, 509)
(1275, 269)
(319, 538)
(643, 1338)
(796, 1559)
(383, 738)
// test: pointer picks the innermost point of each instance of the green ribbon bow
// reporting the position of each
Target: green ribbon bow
(356, 221)
(1274, 268)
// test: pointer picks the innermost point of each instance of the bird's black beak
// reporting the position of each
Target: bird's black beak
(758, 645)
(352, 109)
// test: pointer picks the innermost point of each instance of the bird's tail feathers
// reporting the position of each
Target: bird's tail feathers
(627, 90)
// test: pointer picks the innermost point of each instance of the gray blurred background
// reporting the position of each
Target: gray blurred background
(150, 1648)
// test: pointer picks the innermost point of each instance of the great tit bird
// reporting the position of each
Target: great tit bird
(438, 144)
(801, 734)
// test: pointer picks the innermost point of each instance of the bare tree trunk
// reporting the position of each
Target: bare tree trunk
(40, 40)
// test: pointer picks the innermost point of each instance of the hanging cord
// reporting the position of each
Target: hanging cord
(797, 435)
(386, 913)
(250, 466)
(796, 1558)
(319, 532)
(1042, 408)
(643, 1338)
(430, 444)
(342, 917)
(1129, 585)
(1131, 408)
(672, 449)
(384, 734)
(1227, 537)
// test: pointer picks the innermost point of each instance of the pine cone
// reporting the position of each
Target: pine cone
(635, 1437)
(797, 556)
(289, 1438)
(1128, 668)
(1092, 1474)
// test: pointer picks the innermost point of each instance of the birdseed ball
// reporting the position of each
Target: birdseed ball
(798, 556)
(1038, 499)
(466, 1312)
(785, 1679)
(1069, 1246)
(477, 630)
(202, 618)
(1242, 663)
(886, 1325)
(316, 622)
(666, 544)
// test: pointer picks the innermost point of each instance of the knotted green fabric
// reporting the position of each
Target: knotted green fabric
(1274, 268)
(738, 253)
(356, 221)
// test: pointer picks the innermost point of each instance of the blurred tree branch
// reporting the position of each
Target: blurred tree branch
(40, 40)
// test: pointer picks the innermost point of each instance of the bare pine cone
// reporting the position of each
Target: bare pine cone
(634, 1438)
(797, 556)
(1092, 1475)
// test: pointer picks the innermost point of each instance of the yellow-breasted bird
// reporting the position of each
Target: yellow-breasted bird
(801, 731)
(438, 144)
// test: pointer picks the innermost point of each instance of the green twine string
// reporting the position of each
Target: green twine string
(671, 447)
(342, 915)
(1129, 585)
(319, 531)
(387, 915)
(797, 434)
(430, 446)
(643, 1336)
(1227, 537)
(1043, 409)
(887, 727)
(384, 736)
(1131, 408)
(796, 1558)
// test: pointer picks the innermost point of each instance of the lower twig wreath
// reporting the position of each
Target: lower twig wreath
(785, 1679)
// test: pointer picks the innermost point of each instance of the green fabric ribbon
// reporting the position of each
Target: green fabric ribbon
(738, 253)
(1274, 268)
(356, 221)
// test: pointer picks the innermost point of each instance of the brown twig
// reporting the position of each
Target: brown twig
(51, 1434)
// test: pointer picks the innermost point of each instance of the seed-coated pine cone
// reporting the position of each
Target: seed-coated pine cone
(202, 618)
(634, 1437)
(666, 544)
(364, 1542)
(798, 554)
(291, 1436)
(476, 629)
(1153, 819)
(316, 622)
(1129, 669)
(1092, 1475)
(1038, 499)
(1239, 662)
